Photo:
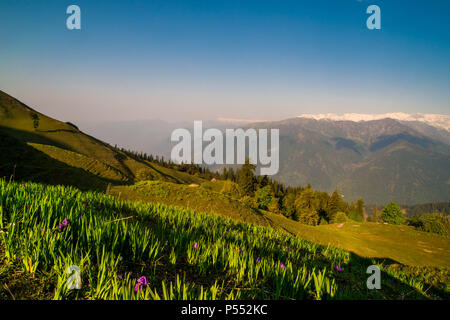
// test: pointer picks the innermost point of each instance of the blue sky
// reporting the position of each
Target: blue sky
(261, 60)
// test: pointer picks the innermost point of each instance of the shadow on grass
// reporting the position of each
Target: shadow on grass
(20, 162)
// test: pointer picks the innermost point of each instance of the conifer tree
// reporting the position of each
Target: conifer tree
(246, 178)
(335, 205)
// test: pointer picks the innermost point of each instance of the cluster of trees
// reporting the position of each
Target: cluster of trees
(431, 222)
(436, 222)
(302, 204)
(418, 209)
(193, 169)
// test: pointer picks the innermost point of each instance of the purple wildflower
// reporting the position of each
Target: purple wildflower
(141, 282)
(339, 269)
(60, 227)
(281, 265)
(65, 223)
(258, 260)
(195, 245)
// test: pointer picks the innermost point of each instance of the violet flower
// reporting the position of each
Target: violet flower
(141, 282)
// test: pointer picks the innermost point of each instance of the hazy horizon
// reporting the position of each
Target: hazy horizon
(176, 61)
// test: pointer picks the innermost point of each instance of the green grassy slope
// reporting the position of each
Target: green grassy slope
(66, 144)
(203, 198)
(53, 152)
(182, 253)
(402, 244)
(20, 161)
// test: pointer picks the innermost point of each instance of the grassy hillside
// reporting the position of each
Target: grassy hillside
(401, 244)
(156, 240)
(203, 198)
(70, 148)
(398, 244)
(182, 254)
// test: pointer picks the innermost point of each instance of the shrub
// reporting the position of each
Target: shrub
(339, 217)
(308, 216)
(264, 197)
(249, 201)
(274, 205)
(354, 215)
(432, 222)
(144, 175)
(393, 214)
(231, 189)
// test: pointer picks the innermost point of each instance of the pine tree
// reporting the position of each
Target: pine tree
(334, 205)
(224, 176)
(360, 208)
(246, 178)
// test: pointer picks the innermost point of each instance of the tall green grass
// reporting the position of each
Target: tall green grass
(182, 253)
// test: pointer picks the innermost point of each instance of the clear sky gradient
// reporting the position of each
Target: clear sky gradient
(259, 60)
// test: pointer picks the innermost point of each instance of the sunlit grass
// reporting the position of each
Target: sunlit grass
(182, 253)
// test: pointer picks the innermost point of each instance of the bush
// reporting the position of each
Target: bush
(231, 189)
(249, 201)
(308, 216)
(355, 216)
(339, 217)
(264, 197)
(144, 175)
(432, 222)
(274, 205)
(393, 214)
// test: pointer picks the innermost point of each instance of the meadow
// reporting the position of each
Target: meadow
(136, 250)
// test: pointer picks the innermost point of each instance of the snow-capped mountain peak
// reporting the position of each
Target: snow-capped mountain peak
(436, 120)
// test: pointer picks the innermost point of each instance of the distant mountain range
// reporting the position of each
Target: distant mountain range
(379, 160)
(436, 120)
(398, 156)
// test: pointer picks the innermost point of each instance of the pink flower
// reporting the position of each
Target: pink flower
(195, 245)
(141, 282)
(339, 269)
(281, 265)
(65, 223)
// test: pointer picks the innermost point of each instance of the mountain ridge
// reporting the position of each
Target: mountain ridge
(436, 120)
(379, 160)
